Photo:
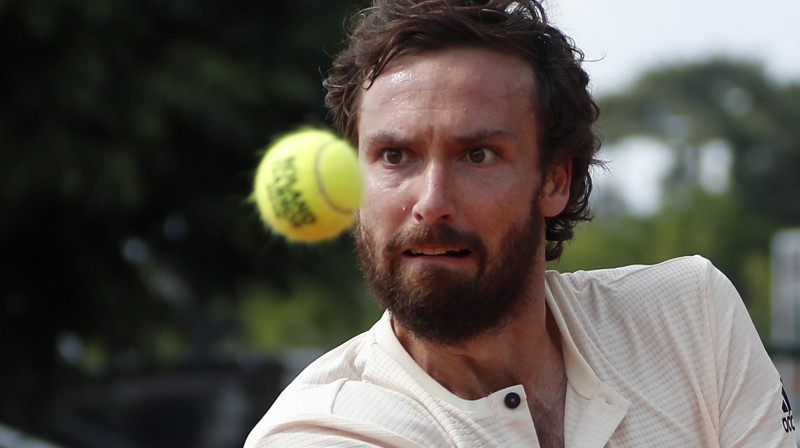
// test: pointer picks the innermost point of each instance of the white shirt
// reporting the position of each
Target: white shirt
(656, 356)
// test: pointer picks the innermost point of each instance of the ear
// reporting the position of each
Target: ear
(554, 194)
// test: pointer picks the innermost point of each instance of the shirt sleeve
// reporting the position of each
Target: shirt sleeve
(326, 431)
(754, 410)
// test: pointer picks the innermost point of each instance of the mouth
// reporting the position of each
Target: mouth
(438, 252)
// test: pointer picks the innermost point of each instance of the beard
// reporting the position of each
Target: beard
(443, 305)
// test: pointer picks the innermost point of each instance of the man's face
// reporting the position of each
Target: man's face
(450, 227)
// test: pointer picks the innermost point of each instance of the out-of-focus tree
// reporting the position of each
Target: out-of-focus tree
(722, 116)
(128, 136)
(690, 106)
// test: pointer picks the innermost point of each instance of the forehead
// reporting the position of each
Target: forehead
(459, 87)
(472, 71)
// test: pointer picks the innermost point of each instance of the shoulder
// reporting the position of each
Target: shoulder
(663, 304)
(645, 288)
(317, 387)
(329, 397)
(682, 272)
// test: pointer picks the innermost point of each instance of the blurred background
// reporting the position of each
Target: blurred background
(142, 303)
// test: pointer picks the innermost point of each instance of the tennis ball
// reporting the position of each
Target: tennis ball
(308, 185)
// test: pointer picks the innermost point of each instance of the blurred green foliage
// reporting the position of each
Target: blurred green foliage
(129, 133)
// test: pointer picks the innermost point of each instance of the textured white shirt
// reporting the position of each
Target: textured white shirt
(656, 356)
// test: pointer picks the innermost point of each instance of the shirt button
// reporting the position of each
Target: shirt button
(512, 400)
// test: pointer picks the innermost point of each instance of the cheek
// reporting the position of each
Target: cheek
(504, 198)
(381, 208)
(495, 212)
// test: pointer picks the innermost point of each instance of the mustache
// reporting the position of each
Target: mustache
(441, 235)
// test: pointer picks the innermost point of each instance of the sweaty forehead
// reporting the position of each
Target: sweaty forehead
(476, 71)
(454, 93)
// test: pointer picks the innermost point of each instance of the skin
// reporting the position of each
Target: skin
(449, 138)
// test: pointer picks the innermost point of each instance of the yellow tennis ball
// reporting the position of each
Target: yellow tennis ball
(308, 185)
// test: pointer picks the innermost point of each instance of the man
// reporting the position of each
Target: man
(474, 131)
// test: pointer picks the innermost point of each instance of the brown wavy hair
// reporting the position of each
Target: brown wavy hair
(564, 109)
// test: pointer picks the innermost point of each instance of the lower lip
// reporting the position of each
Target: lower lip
(440, 260)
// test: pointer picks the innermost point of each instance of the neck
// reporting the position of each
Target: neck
(526, 350)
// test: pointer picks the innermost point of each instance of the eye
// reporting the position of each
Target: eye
(480, 155)
(393, 156)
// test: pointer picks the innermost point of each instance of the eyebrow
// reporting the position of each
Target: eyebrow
(486, 133)
(398, 139)
(388, 138)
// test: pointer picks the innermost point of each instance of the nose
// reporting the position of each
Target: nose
(435, 201)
